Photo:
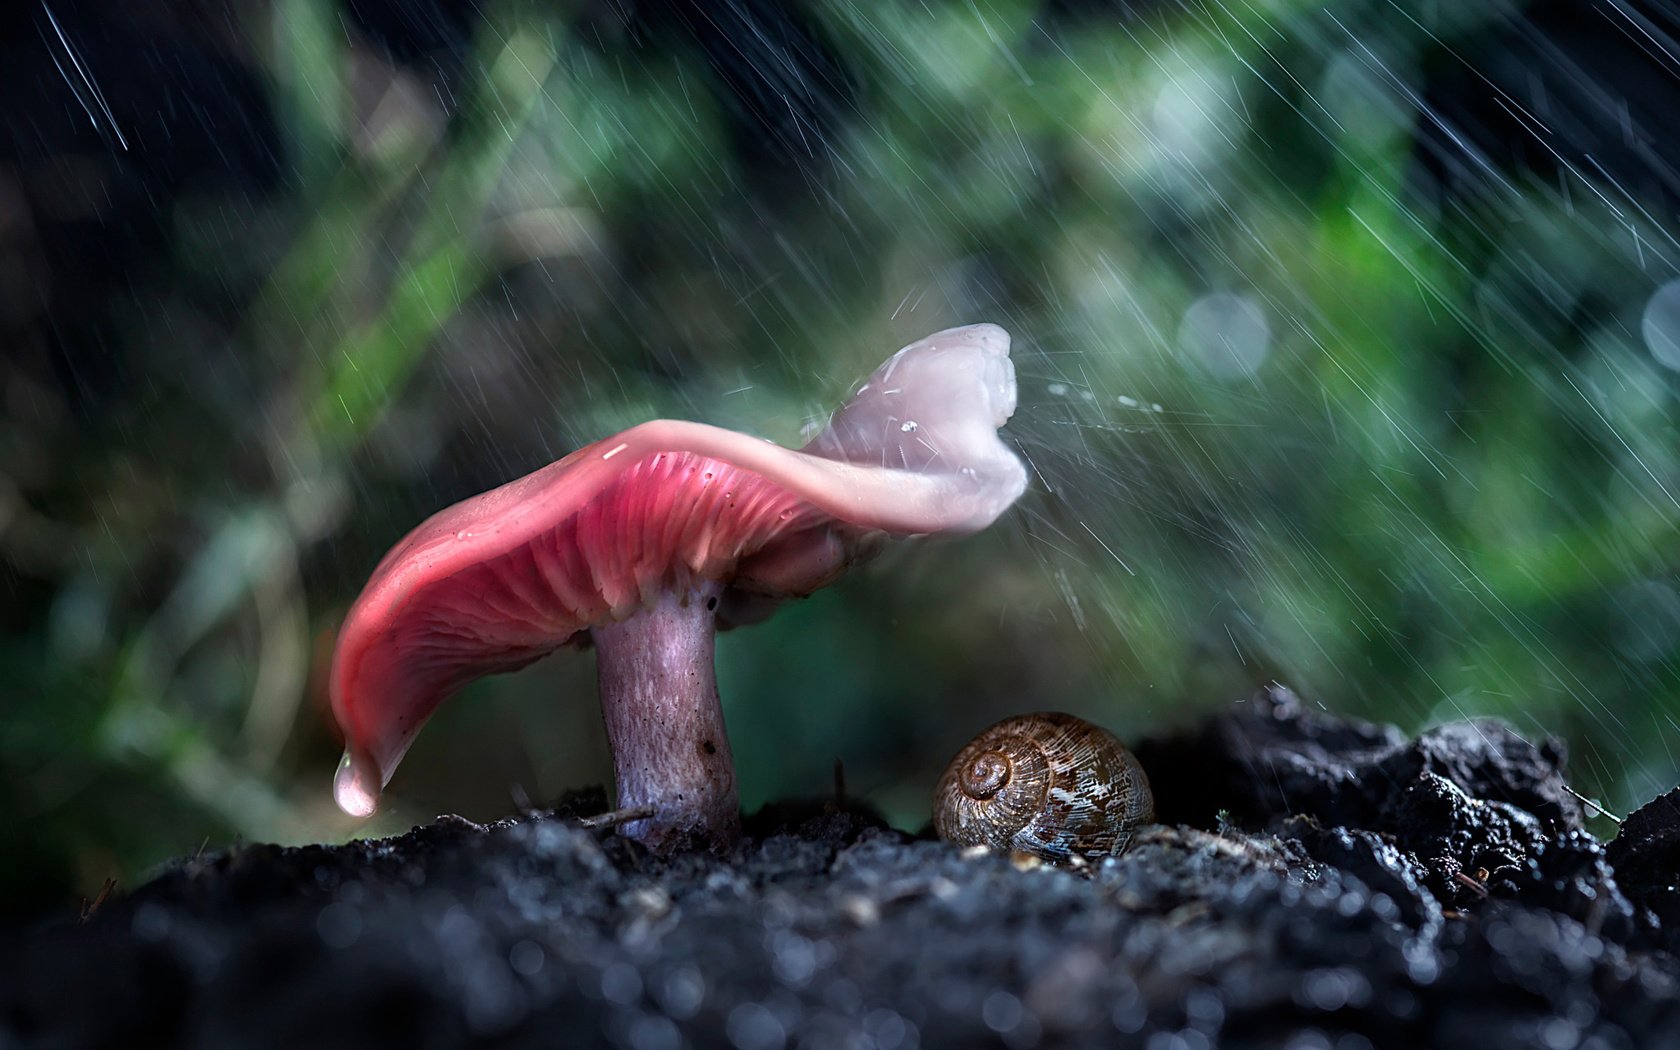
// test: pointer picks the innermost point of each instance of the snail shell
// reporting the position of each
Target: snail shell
(1048, 784)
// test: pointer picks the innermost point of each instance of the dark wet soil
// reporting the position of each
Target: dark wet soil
(1317, 883)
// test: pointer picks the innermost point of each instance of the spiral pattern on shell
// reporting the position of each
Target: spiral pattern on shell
(1048, 784)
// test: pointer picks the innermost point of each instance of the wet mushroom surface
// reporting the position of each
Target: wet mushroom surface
(1317, 882)
(646, 542)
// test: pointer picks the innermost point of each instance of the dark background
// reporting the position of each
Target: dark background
(1346, 338)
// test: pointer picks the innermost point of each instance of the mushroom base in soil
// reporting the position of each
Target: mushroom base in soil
(659, 699)
(649, 539)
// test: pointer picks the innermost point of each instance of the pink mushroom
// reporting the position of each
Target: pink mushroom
(644, 540)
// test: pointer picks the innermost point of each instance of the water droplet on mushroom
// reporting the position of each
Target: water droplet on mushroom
(909, 426)
(356, 787)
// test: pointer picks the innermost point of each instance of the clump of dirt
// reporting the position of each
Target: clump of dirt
(1319, 882)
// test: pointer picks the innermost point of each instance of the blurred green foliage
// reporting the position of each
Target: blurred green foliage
(1292, 410)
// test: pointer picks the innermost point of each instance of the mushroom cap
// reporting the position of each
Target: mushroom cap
(503, 578)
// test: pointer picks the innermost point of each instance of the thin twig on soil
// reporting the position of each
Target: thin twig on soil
(613, 818)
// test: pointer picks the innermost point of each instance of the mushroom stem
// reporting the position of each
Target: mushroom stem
(659, 699)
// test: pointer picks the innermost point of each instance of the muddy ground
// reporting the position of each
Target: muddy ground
(1316, 882)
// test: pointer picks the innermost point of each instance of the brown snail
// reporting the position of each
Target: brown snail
(1048, 784)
